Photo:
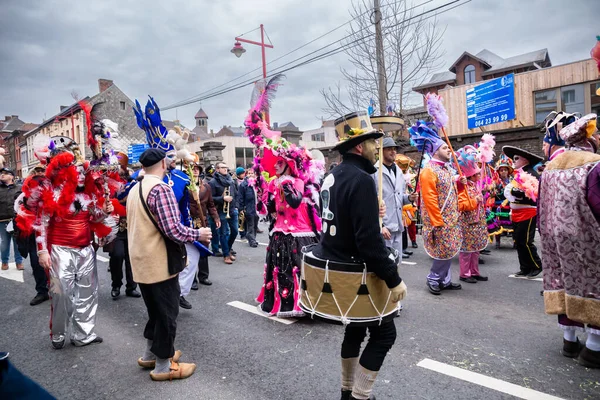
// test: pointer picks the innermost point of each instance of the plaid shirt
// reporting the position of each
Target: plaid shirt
(163, 205)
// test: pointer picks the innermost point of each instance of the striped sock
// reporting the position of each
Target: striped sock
(363, 383)
(348, 371)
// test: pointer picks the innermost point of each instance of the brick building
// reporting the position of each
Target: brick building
(111, 103)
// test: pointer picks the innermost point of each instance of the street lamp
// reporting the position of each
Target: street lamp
(238, 50)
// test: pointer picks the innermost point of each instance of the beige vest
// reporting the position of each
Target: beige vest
(147, 250)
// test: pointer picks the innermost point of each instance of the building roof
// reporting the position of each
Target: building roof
(201, 132)
(492, 63)
(537, 59)
(28, 126)
(201, 114)
(438, 79)
(12, 124)
(466, 53)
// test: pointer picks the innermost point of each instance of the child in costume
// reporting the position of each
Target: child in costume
(472, 217)
(504, 169)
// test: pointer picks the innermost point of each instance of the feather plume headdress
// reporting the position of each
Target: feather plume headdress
(436, 109)
(485, 149)
(424, 136)
(467, 158)
(270, 147)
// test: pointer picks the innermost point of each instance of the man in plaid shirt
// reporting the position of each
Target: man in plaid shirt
(149, 262)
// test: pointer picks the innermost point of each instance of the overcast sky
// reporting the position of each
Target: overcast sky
(177, 49)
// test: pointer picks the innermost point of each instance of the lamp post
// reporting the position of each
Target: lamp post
(238, 50)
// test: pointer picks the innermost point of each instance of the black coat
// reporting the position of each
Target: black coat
(349, 202)
(246, 198)
(8, 195)
(218, 184)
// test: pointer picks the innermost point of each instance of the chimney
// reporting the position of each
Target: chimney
(104, 84)
(15, 116)
(6, 117)
(63, 108)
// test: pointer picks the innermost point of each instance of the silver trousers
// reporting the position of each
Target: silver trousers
(74, 293)
(186, 277)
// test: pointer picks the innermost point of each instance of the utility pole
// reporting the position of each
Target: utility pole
(381, 78)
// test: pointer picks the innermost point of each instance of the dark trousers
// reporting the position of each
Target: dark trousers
(381, 340)
(251, 227)
(233, 223)
(523, 235)
(203, 268)
(118, 254)
(39, 274)
(404, 239)
(162, 303)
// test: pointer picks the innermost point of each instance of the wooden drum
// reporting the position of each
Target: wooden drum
(344, 292)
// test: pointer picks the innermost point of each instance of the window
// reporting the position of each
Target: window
(123, 105)
(595, 99)
(318, 137)
(469, 74)
(244, 156)
(572, 99)
(545, 103)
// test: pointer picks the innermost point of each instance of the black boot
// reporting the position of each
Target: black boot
(346, 394)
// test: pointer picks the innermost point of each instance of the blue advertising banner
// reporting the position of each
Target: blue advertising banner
(491, 102)
(134, 151)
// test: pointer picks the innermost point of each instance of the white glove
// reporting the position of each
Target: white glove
(398, 292)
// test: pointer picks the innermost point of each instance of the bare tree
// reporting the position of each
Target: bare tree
(412, 47)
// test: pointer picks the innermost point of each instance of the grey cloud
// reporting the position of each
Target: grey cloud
(177, 49)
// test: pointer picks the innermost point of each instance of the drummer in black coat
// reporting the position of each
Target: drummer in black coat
(352, 233)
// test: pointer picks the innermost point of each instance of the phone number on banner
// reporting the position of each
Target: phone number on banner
(493, 120)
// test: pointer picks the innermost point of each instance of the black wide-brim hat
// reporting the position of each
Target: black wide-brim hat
(512, 151)
(353, 129)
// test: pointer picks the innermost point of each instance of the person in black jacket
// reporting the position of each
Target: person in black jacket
(9, 192)
(352, 233)
(246, 203)
(228, 230)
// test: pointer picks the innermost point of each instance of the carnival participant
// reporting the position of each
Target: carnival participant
(295, 226)
(441, 230)
(201, 207)
(522, 194)
(394, 197)
(64, 226)
(351, 233)
(155, 230)
(291, 199)
(504, 168)
(472, 218)
(247, 205)
(569, 223)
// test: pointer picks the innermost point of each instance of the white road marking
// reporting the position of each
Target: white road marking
(12, 273)
(253, 310)
(409, 263)
(485, 381)
(540, 279)
(100, 258)
(245, 241)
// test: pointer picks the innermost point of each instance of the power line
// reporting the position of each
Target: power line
(177, 104)
(318, 57)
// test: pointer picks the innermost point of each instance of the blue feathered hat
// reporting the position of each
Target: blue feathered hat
(424, 136)
(150, 121)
